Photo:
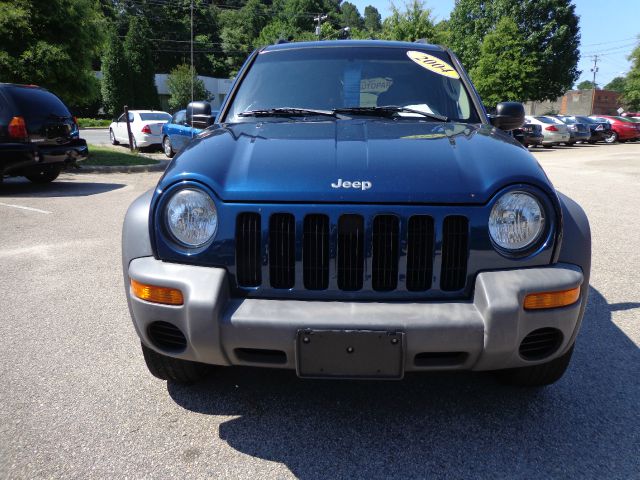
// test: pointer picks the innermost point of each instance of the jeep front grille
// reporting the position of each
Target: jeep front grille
(420, 253)
(315, 252)
(248, 248)
(351, 252)
(282, 250)
(454, 252)
(384, 264)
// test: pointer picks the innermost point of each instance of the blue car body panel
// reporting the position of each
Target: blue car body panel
(180, 134)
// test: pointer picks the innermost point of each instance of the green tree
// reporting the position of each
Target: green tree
(179, 85)
(116, 85)
(585, 85)
(240, 29)
(138, 48)
(372, 19)
(53, 44)
(414, 23)
(616, 85)
(631, 92)
(504, 67)
(350, 16)
(549, 27)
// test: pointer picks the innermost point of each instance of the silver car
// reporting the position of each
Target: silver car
(554, 132)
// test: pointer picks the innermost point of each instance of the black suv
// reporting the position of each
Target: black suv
(38, 135)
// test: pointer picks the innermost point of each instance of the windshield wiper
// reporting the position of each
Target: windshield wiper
(287, 112)
(388, 110)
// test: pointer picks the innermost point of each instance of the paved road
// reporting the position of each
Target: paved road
(97, 136)
(76, 400)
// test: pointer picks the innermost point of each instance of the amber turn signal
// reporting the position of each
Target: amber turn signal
(152, 293)
(537, 301)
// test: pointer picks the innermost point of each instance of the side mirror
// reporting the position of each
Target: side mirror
(199, 115)
(508, 116)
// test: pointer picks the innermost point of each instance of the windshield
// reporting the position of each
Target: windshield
(155, 116)
(36, 104)
(332, 78)
(546, 120)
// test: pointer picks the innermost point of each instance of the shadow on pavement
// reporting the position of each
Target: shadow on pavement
(454, 425)
(20, 187)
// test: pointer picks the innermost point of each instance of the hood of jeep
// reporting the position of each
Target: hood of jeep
(355, 160)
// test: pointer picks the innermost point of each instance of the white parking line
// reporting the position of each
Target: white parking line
(24, 208)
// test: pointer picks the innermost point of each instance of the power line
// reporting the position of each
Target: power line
(620, 47)
(612, 41)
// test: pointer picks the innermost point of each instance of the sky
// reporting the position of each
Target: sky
(608, 28)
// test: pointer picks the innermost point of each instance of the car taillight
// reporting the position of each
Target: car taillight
(552, 128)
(599, 127)
(17, 128)
(146, 129)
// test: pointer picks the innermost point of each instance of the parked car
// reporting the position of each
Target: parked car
(343, 235)
(178, 132)
(146, 128)
(623, 128)
(38, 134)
(554, 131)
(529, 134)
(579, 131)
(600, 130)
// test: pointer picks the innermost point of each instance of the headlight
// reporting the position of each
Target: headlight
(516, 221)
(191, 217)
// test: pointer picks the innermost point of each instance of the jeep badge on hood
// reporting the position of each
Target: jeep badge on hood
(362, 185)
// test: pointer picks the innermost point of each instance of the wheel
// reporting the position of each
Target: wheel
(169, 368)
(612, 138)
(46, 174)
(537, 375)
(112, 137)
(166, 146)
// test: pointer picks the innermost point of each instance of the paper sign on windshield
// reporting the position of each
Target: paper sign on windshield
(433, 64)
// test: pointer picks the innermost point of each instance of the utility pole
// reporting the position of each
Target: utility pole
(192, 69)
(593, 93)
(319, 19)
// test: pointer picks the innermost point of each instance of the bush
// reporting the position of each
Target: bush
(93, 122)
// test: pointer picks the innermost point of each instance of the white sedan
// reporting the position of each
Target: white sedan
(146, 128)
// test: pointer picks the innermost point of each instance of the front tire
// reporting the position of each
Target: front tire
(45, 174)
(166, 146)
(112, 137)
(612, 138)
(174, 369)
(537, 375)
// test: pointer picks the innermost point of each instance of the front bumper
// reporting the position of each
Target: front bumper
(487, 330)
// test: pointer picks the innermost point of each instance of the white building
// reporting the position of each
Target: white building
(217, 87)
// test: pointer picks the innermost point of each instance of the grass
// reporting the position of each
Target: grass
(115, 156)
(93, 122)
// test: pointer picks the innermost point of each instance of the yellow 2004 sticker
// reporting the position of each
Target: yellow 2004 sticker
(433, 64)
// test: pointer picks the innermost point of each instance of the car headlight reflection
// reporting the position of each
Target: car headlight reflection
(516, 221)
(191, 217)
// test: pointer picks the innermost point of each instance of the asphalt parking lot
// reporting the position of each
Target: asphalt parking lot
(77, 401)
